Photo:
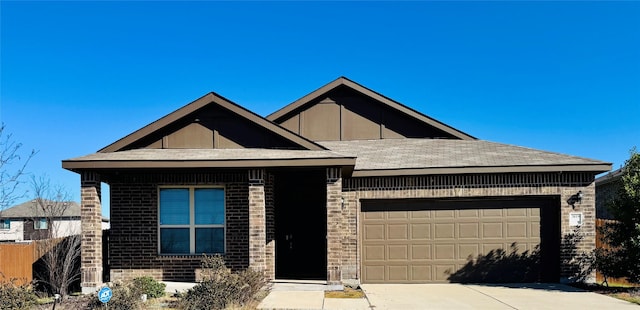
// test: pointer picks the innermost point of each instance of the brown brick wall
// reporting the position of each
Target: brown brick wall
(91, 235)
(335, 226)
(270, 250)
(500, 185)
(257, 221)
(133, 247)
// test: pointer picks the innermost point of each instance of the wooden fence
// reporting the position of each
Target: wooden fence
(600, 244)
(16, 262)
(17, 259)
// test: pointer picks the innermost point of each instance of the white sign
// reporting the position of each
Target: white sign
(575, 219)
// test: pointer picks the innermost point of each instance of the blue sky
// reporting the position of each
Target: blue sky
(556, 76)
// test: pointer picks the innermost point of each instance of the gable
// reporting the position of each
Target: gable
(211, 122)
(345, 110)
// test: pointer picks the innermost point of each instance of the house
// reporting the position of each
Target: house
(607, 187)
(28, 221)
(343, 184)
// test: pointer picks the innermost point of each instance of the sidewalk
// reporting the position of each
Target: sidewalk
(308, 296)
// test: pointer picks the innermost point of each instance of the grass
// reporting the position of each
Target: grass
(346, 293)
(627, 292)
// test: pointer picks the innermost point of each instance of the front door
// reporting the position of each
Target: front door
(301, 225)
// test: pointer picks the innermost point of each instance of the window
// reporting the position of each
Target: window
(192, 220)
(5, 224)
(40, 223)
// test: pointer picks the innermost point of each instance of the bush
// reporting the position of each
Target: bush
(220, 287)
(149, 286)
(125, 297)
(16, 296)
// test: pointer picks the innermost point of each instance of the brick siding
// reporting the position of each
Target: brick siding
(133, 249)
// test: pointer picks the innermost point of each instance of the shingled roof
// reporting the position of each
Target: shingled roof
(439, 156)
(28, 210)
(208, 158)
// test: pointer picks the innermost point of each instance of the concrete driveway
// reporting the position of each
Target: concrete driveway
(489, 296)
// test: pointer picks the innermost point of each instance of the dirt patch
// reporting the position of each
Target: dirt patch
(346, 293)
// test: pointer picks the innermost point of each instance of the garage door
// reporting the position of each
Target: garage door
(422, 241)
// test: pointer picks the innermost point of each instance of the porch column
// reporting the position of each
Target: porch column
(334, 226)
(257, 221)
(91, 235)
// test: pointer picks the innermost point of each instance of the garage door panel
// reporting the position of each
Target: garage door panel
(444, 231)
(468, 230)
(535, 229)
(420, 214)
(443, 271)
(373, 273)
(419, 243)
(468, 251)
(420, 231)
(522, 212)
(397, 231)
(374, 232)
(398, 273)
(517, 230)
(491, 213)
(421, 273)
(492, 230)
(420, 252)
(398, 215)
(445, 251)
(374, 252)
(398, 252)
(444, 214)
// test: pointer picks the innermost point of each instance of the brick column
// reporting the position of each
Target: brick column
(257, 216)
(91, 235)
(334, 227)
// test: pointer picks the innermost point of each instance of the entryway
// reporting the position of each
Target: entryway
(301, 224)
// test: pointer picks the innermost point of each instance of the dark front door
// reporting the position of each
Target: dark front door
(301, 225)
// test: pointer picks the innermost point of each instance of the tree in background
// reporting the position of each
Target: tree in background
(622, 258)
(59, 266)
(12, 169)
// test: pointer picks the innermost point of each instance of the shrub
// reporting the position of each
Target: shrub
(220, 287)
(125, 297)
(149, 286)
(16, 296)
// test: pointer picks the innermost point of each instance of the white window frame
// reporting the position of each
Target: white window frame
(192, 225)
(37, 221)
(6, 224)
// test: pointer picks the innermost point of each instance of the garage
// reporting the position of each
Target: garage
(433, 240)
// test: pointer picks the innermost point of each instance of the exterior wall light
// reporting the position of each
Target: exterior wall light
(575, 198)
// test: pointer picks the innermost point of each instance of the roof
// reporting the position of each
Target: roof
(208, 158)
(609, 177)
(210, 98)
(343, 81)
(28, 209)
(444, 156)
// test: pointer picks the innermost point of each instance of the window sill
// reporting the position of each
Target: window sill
(183, 256)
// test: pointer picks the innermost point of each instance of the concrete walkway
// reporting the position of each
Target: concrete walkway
(442, 296)
(308, 296)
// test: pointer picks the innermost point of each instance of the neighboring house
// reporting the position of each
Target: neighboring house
(27, 221)
(342, 184)
(607, 187)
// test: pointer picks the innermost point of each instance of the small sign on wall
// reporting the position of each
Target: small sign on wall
(575, 219)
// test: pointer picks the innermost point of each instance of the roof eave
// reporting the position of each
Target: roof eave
(77, 165)
(594, 168)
